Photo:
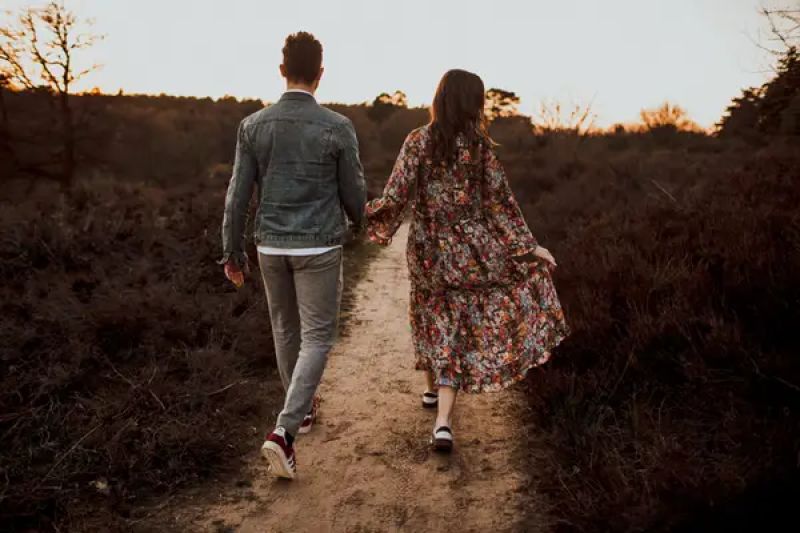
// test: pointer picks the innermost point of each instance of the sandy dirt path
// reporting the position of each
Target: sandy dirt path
(367, 465)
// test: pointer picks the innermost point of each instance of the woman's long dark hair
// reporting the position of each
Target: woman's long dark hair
(458, 108)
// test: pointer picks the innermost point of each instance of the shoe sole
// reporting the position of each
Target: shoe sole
(430, 405)
(278, 462)
(443, 445)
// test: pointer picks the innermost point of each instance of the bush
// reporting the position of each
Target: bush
(679, 386)
(128, 367)
(678, 257)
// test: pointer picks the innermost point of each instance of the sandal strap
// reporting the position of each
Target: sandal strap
(443, 428)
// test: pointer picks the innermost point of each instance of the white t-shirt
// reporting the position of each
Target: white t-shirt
(270, 250)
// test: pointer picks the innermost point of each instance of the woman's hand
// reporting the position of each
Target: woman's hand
(544, 253)
(538, 253)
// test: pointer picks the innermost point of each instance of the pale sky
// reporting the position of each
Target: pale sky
(622, 55)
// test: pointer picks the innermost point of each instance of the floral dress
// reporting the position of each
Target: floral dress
(480, 319)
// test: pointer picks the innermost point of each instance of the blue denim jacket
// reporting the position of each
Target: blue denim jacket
(303, 158)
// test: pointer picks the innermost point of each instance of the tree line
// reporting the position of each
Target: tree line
(40, 49)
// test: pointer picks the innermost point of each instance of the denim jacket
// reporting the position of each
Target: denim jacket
(303, 158)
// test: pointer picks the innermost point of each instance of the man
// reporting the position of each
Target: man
(303, 158)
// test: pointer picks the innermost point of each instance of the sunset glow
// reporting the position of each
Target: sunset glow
(622, 55)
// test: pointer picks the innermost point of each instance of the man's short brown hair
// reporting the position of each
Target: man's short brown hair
(302, 57)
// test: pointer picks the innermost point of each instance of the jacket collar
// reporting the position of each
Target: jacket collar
(298, 95)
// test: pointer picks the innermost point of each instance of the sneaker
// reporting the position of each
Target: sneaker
(430, 399)
(310, 418)
(442, 439)
(280, 454)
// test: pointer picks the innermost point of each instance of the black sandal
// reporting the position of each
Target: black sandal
(430, 399)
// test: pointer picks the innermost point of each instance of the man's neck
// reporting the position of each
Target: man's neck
(300, 87)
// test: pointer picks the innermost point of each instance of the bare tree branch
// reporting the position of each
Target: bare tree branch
(10, 58)
(784, 25)
(38, 50)
(29, 23)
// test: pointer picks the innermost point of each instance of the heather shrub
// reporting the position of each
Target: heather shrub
(129, 367)
(679, 386)
(676, 395)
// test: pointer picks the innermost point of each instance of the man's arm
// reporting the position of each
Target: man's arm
(237, 200)
(352, 189)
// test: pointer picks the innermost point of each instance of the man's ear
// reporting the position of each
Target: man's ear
(283, 70)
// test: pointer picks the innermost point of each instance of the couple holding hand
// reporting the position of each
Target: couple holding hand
(483, 308)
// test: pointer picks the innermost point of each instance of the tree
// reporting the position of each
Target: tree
(9, 157)
(396, 99)
(775, 106)
(790, 117)
(779, 95)
(38, 50)
(385, 104)
(771, 108)
(668, 117)
(501, 103)
(742, 115)
(5, 142)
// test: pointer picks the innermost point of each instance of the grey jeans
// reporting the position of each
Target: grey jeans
(303, 294)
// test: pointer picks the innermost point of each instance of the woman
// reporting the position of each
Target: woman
(483, 308)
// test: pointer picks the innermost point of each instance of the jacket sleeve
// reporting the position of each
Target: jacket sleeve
(350, 174)
(237, 200)
(385, 214)
(502, 210)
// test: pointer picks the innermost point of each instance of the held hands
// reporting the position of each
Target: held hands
(235, 274)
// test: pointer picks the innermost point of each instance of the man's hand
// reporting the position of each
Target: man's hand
(235, 274)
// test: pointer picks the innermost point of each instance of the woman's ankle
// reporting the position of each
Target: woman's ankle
(430, 382)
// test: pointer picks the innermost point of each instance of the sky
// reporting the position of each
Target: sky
(619, 55)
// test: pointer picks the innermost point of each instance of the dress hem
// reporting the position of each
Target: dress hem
(423, 365)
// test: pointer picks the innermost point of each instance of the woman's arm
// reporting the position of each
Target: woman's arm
(385, 214)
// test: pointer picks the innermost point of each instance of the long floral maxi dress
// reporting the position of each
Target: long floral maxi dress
(479, 318)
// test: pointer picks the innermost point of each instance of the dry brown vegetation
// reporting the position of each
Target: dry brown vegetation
(680, 386)
(130, 369)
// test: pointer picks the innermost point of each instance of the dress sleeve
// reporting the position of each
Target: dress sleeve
(502, 209)
(385, 214)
